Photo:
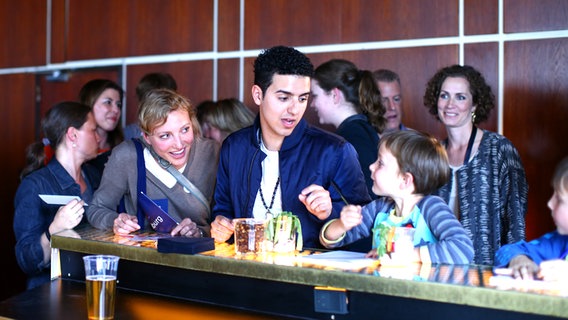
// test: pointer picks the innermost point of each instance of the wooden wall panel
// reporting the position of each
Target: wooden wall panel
(18, 131)
(370, 20)
(536, 114)
(229, 26)
(97, 29)
(23, 37)
(129, 29)
(484, 58)
(193, 79)
(58, 52)
(173, 26)
(228, 79)
(481, 17)
(270, 23)
(337, 21)
(533, 15)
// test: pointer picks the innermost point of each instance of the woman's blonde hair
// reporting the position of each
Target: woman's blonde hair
(228, 115)
(158, 104)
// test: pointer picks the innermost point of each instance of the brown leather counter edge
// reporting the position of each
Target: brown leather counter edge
(521, 302)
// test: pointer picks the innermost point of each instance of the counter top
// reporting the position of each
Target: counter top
(455, 284)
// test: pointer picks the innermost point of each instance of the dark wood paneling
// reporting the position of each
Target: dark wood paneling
(23, 33)
(228, 79)
(97, 29)
(484, 58)
(127, 28)
(535, 15)
(270, 23)
(535, 117)
(172, 26)
(58, 31)
(17, 112)
(370, 20)
(193, 78)
(336, 21)
(229, 25)
(481, 17)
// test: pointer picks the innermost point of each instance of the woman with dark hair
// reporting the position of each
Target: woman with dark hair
(71, 131)
(349, 99)
(488, 188)
(105, 99)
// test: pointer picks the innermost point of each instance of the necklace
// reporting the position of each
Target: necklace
(268, 208)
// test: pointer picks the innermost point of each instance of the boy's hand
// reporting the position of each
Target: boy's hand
(351, 216)
(523, 267)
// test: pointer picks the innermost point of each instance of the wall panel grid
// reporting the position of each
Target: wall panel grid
(467, 10)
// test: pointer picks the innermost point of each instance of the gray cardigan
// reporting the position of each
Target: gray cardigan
(492, 193)
(120, 178)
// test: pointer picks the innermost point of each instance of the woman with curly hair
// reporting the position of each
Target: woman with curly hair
(488, 188)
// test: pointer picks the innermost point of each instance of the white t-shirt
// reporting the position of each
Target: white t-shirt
(270, 174)
(453, 203)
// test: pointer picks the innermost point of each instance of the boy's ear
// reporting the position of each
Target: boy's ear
(407, 180)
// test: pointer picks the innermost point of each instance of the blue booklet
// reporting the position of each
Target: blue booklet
(160, 220)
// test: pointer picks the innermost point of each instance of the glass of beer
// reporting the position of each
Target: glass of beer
(100, 276)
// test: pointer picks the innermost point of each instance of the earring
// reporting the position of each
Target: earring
(473, 117)
(74, 145)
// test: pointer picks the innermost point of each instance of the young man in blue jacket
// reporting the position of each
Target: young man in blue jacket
(281, 163)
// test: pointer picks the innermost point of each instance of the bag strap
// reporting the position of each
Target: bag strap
(141, 181)
(183, 180)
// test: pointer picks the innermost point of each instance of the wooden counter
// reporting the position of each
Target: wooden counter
(285, 285)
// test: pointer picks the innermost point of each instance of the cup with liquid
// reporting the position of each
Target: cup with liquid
(249, 235)
(100, 278)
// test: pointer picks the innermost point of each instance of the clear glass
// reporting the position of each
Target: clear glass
(100, 278)
(249, 235)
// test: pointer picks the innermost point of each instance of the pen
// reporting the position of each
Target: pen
(339, 191)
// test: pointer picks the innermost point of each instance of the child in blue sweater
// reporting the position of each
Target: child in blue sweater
(546, 256)
(410, 166)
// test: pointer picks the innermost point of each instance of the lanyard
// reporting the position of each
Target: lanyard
(470, 145)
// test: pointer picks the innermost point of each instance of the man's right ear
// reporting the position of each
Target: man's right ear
(256, 94)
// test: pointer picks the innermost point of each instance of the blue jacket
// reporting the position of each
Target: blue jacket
(33, 216)
(548, 247)
(308, 156)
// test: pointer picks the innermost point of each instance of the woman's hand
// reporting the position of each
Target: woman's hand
(187, 228)
(125, 224)
(68, 216)
(222, 229)
(317, 201)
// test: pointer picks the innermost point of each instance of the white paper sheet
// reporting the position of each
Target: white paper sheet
(58, 199)
(339, 259)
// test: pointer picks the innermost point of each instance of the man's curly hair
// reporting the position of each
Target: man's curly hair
(280, 60)
(483, 98)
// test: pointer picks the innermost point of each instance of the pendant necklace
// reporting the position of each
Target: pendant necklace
(268, 208)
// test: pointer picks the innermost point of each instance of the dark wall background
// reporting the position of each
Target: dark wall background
(106, 33)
